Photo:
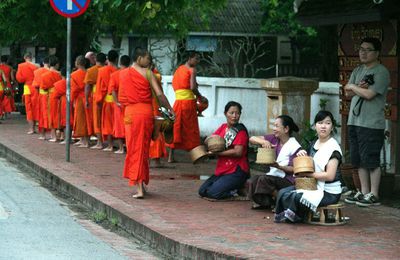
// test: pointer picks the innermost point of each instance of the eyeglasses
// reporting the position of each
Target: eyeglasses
(366, 50)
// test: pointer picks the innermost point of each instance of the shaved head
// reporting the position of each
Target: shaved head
(91, 57)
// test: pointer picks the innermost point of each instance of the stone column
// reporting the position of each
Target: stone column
(290, 96)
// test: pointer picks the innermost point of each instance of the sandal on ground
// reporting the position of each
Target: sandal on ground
(136, 196)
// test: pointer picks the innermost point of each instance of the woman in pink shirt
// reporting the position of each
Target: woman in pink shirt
(232, 169)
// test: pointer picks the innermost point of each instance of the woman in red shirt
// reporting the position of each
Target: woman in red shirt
(232, 169)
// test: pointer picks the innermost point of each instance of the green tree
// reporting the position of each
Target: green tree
(35, 23)
(280, 19)
(158, 17)
(316, 44)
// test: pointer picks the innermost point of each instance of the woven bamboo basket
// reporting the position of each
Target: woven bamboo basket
(303, 164)
(265, 155)
(198, 154)
(158, 121)
(215, 143)
(305, 183)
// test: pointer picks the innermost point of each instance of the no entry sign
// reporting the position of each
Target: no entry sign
(70, 8)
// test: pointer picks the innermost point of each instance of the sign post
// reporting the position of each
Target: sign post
(69, 9)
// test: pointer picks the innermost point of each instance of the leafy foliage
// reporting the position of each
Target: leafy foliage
(154, 17)
(30, 21)
(280, 18)
(307, 135)
(34, 21)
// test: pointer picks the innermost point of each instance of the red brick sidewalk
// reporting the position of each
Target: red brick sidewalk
(174, 219)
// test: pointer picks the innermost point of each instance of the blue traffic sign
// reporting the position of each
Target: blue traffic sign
(70, 8)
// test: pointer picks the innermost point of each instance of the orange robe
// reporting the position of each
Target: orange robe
(102, 96)
(118, 116)
(47, 85)
(157, 147)
(1, 97)
(59, 95)
(83, 116)
(43, 97)
(135, 95)
(25, 75)
(91, 79)
(186, 125)
(7, 100)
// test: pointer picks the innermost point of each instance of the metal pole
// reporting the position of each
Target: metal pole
(68, 92)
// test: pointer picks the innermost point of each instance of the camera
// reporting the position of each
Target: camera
(369, 79)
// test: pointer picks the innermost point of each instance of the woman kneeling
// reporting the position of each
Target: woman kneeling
(232, 169)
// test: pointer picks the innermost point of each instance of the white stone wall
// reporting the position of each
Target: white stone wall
(253, 99)
(221, 90)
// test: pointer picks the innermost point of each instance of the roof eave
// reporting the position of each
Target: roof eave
(331, 19)
(230, 34)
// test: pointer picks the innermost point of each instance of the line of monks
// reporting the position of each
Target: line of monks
(98, 108)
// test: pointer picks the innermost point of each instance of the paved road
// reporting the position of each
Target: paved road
(36, 225)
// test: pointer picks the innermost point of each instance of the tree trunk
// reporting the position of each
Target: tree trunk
(117, 40)
(328, 37)
(15, 53)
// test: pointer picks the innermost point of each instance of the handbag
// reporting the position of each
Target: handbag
(165, 122)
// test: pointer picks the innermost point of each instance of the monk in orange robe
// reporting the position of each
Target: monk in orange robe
(30, 95)
(47, 88)
(106, 100)
(186, 125)
(43, 95)
(9, 77)
(135, 95)
(82, 114)
(113, 88)
(59, 96)
(3, 83)
(157, 146)
(90, 91)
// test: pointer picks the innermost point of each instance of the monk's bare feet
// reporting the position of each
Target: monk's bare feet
(97, 146)
(108, 149)
(119, 151)
(140, 191)
(78, 143)
(138, 196)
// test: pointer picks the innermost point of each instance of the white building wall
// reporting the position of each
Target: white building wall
(5, 51)
(164, 52)
(221, 90)
(106, 45)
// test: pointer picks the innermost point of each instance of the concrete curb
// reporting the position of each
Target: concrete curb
(168, 246)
